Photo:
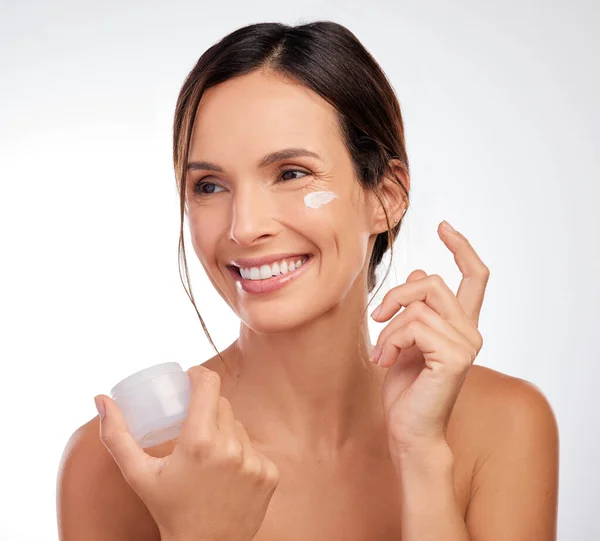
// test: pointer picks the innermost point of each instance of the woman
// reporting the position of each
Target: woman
(290, 160)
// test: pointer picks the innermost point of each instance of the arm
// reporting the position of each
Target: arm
(430, 510)
(515, 484)
(93, 501)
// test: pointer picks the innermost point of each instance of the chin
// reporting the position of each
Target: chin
(272, 319)
(273, 323)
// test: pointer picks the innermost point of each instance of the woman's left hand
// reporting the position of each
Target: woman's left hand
(429, 347)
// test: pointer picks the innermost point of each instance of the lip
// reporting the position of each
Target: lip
(270, 284)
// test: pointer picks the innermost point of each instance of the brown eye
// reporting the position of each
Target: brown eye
(202, 187)
(286, 171)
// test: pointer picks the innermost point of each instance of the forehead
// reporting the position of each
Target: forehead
(258, 113)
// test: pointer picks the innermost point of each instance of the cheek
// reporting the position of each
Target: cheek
(330, 210)
(340, 232)
(204, 234)
(323, 207)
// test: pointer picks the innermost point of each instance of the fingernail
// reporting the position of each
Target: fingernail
(375, 354)
(376, 312)
(448, 227)
(100, 407)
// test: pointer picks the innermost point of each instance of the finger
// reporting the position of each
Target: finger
(226, 418)
(419, 311)
(437, 349)
(432, 290)
(126, 452)
(475, 273)
(244, 439)
(242, 435)
(253, 458)
(417, 274)
(201, 420)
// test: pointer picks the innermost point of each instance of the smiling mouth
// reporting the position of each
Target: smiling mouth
(237, 271)
(261, 286)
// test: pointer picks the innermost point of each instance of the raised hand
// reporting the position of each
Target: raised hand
(429, 347)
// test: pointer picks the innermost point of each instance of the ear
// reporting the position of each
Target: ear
(392, 196)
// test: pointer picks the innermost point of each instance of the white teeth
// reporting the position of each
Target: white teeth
(265, 272)
(275, 269)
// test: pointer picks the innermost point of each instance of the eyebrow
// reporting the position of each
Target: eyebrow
(269, 159)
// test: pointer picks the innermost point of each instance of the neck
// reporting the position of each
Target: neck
(310, 389)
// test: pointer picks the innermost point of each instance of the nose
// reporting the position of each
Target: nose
(252, 216)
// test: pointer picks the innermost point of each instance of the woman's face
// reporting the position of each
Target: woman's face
(249, 210)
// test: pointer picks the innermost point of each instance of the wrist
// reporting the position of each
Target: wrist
(424, 458)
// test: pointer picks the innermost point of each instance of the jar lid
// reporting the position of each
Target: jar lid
(143, 375)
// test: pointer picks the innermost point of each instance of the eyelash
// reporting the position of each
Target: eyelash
(199, 183)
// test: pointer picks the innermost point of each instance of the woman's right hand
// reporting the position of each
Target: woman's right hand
(214, 486)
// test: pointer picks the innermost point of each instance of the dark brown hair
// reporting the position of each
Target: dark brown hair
(327, 58)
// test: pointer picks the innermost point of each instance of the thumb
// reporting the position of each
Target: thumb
(127, 453)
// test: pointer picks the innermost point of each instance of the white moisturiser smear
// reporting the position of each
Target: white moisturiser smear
(315, 199)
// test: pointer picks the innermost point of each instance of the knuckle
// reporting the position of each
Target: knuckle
(109, 437)
(466, 358)
(204, 377)
(233, 452)
(413, 326)
(196, 371)
(417, 308)
(201, 448)
(271, 473)
(253, 466)
(434, 277)
(212, 378)
(202, 373)
(437, 280)
(224, 403)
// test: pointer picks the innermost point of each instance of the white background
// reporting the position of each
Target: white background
(500, 101)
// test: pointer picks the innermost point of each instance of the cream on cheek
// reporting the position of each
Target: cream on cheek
(315, 200)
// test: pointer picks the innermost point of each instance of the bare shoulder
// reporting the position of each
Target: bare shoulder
(493, 405)
(94, 502)
(495, 398)
(513, 432)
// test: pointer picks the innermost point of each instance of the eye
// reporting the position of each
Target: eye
(285, 171)
(199, 185)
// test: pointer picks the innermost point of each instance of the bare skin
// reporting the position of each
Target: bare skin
(350, 493)
(353, 493)
(316, 410)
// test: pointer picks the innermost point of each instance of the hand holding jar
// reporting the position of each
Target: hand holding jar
(213, 486)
